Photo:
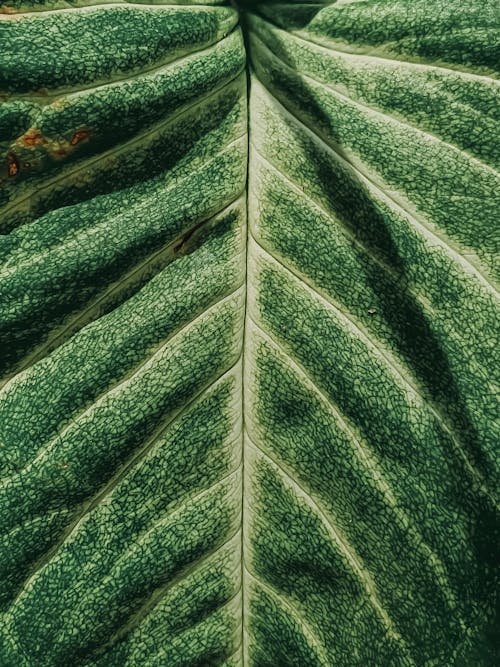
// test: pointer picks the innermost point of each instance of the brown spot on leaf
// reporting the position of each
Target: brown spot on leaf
(32, 137)
(12, 164)
(79, 136)
(60, 103)
(9, 13)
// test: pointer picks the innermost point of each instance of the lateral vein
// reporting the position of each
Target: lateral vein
(72, 92)
(161, 592)
(393, 366)
(57, 337)
(370, 110)
(371, 184)
(377, 475)
(85, 164)
(344, 547)
(97, 500)
(313, 641)
(335, 47)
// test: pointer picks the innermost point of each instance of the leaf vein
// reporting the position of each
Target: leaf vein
(370, 110)
(74, 324)
(366, 458)
(335, 47)
(85, 164)
(162, 591)
(345, 548)
(369, 181)
(392, 365)
(318, 648)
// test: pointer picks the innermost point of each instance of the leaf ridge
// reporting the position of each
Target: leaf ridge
(269, 337)
(366, 458)
(335, 47)
(370, 182)
(163, 590)
(47, 447)
(191, 500)
(370, 110)
(306, 629)
(68, 328)
(71, 92)
(108, 488)
(344, 547)
(426, 304)
(100, 157)
(186, 501)
(393, 366)
(93, 5)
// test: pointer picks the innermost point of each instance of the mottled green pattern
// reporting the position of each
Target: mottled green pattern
(262, 444)
(460, 33)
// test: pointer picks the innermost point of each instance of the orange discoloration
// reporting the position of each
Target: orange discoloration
(57, 149)
(32, 137)
(12, 165)
(79, 136)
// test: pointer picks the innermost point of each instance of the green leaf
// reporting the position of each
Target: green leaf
(249, 318)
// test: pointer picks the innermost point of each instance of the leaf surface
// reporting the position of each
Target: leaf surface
(249, 314)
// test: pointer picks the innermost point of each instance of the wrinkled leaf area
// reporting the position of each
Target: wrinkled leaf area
(249, 315)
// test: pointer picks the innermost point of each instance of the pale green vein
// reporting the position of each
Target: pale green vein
(244, 640)
(142, 205)
(366, 250)
(226, 662)
(312, 641)
(74, 423)
(346, 549)
(380, 352)
(183, 502)
(170, 63)
(336, 47)
(210, 663)
(366, 458)
(162, 591)
(130, 279)
(369, 110)
(117, 477)
(113, 151)
(427, 306)
(186, 502)
(370, 182)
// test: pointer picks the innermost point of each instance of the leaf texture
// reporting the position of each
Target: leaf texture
(249, 326)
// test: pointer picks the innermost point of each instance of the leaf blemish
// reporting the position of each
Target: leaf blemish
(12, 165)
(79, 136)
